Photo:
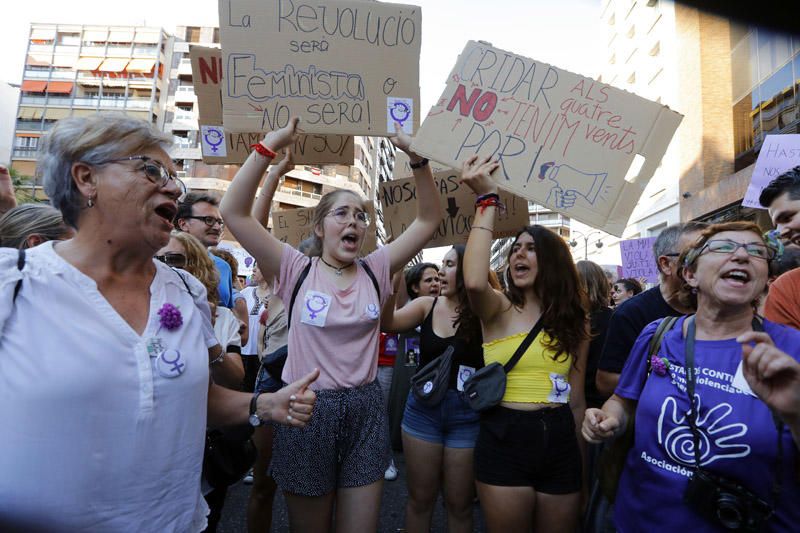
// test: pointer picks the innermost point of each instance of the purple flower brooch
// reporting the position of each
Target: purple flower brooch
(659, 365)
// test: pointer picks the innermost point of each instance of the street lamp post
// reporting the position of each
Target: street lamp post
(574, 243)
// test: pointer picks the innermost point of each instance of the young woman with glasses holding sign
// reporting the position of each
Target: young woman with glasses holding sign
(333, 325)
(716, 408)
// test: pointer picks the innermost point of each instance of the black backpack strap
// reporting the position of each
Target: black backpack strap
(183, 279)
(300, 280)
(371, 275)
(20, 266)
(524, 345)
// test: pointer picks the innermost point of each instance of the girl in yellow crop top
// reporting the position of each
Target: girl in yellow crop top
(527, 455)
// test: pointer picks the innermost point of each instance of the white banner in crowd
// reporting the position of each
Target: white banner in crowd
(778, 154)
(563, 140)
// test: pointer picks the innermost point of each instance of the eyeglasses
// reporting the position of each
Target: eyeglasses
(672, 254)
(209, 221)
(753, 249)
(342, 216)
(153, 171)
(172, 259)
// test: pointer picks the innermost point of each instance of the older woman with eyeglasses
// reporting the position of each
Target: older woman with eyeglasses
(104, 380)
(716, 407)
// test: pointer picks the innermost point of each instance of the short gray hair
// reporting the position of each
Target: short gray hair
(23, 221)
(92, 140)
(667, 240)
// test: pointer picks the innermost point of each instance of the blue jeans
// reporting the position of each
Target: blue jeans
(451, 423)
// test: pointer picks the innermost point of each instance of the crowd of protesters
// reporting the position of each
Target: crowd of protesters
(138, 380)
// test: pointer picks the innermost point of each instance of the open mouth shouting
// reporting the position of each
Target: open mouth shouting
(736, 277)
(166, 211)
(350, 241)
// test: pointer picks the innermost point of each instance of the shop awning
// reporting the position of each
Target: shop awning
(146, 37)
(43, 34)
(88, 63)
(30, 86)
(30, 113)
(29, 134)
(60, 87)
(120, 36)
(96, 36)
(56, 113)
(38, 60)
(141, 65)
(113, 65)
(64, 61)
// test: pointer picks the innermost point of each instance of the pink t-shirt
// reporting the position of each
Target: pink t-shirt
(334, 330)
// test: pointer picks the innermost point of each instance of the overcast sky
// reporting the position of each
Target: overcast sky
(564, 33)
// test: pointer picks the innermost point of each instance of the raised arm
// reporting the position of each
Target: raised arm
(484, 300)
(261, 208)
(236, 206)
(7, 199)
(429, 211)
(410, 316)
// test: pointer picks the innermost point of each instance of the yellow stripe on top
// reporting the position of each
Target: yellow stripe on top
(536, 378)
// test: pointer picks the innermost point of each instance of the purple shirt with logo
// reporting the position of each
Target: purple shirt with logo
(738, 436)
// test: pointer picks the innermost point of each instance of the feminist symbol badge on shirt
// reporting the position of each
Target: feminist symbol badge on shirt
(315, 308)
(170, 364)
(372, 311)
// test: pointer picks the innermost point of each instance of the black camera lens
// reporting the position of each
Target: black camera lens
(729, 511)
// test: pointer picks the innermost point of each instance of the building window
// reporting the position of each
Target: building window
(193, 34)
(69, 39)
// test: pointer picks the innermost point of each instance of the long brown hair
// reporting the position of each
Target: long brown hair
(467, 323)
(558, 289)
(595, 284)
(198, 263)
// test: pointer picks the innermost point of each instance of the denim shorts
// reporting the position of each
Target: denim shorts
(451, 423)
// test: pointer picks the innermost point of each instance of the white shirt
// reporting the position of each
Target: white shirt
(95, 438)
(250, 297)
(226, 328)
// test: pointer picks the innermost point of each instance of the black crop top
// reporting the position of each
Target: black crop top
(431, 346)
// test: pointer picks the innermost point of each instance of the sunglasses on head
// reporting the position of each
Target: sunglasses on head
(172, 259)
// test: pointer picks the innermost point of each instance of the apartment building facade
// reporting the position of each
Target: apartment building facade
(78, 70)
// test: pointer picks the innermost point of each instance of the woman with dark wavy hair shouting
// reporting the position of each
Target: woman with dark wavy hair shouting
(527, 458)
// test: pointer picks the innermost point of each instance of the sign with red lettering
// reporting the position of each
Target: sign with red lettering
(562, 140)
(342, 66)
(457, 204)
(778, 154)
(220, 146)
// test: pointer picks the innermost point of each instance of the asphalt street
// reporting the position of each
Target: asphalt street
(393, 504)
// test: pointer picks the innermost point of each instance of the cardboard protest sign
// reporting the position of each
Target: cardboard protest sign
(638, 260)
(402, 168)
(219, 146)
(294, 226)
(342, 66)
(778, 154)
(457, 203)
(563, 140)
(243, 257)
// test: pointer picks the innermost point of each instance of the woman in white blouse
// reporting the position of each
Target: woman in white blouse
(104, 352)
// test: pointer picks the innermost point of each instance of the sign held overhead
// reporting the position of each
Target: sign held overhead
(342, 66)
(220, 146)
(563, 140)
(778, 154)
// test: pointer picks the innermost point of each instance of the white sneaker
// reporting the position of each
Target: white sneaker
(248, 478)
(391, 472)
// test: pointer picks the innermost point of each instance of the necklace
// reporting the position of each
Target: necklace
(337, 270)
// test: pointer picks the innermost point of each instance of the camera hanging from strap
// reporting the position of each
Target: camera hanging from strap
(708, 493)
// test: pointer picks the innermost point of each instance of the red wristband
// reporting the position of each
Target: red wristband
(263, 150)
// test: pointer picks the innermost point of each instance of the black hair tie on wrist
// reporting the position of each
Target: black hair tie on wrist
(421, 164)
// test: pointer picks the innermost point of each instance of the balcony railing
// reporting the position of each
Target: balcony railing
(149, 51)
(29, 153)
(33, 125)
(39, 100)
(38, 74)
(304, 194)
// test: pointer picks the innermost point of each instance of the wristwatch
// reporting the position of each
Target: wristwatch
(254, 419)
(421, 163)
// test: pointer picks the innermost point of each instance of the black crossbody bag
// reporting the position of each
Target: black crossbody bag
(486, 387)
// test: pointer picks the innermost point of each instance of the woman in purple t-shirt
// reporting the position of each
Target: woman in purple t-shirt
(334, 325)
(716, 461)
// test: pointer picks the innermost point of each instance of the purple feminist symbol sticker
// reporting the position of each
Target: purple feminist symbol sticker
(400, 112)
(319, 305)
(170, 364)
(213, 138)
